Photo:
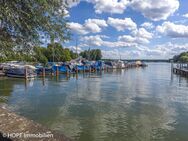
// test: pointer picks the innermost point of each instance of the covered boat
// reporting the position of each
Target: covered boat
(63, 68)
(21, 71)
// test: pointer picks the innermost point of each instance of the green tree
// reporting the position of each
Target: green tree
(39, 56)
(24, 22)
(94, 54)
(183, 57)
(55, 52)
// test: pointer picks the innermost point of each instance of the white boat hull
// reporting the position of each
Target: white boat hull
(20, 76)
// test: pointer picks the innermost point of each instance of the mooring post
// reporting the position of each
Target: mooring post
(57, 71)
(100, 70)
(51, 72)
(3, 69)
(89, 69)
(76, 72)
(67, 71)
(172, 65)
(76, 69)
(25, 73)
(84, 69)
(43, 72)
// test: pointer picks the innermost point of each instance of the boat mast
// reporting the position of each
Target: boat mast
(119, 55)
(53, 53)
(76, 47)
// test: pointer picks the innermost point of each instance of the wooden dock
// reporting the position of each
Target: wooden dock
(180, 71)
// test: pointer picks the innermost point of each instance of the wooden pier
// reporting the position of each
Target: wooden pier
(180, 69)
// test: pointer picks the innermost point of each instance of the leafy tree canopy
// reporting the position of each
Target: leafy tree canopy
(94, 54)
(183, 57)
(23, 21)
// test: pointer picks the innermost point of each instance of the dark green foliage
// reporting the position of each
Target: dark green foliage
(183, 57)
(73, 54)
(39, 55)
(94, 54)
(24, 22)
(56, 53)
(53, 53)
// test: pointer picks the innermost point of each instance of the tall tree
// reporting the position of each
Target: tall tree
(23, 21)
(94, 54)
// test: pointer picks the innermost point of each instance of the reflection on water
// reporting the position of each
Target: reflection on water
(135, 104)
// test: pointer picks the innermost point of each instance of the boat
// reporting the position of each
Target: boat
(40, 68)
(120, 64)
(140, 64)
(110, 65)
(61, 68)
(21, 71)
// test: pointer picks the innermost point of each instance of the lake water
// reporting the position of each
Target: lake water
(139, 104)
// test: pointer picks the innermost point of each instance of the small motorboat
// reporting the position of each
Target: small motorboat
(21, 71)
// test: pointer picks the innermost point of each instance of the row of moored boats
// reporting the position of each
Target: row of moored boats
(24, 70)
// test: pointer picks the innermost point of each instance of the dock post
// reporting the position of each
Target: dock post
(100, 70)
(3, 69)
(67, 72)
(89, 69)
(51, 72)
(57, 71)
(76, 69)
(43, 72)
(25, 73)
(76, 72)
(84, 69)
(172, 65)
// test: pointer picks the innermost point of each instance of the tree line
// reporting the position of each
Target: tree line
(183, 57)
(54, 52)
(22, 25)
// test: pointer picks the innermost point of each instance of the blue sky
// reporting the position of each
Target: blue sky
(137, 29)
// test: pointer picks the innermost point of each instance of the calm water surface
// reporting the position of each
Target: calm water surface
(137, 104)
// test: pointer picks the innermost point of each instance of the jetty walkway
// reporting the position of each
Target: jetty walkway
(180, 69)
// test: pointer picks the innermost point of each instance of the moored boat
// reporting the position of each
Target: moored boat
(21, 71)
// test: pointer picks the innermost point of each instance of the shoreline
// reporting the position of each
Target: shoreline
(14, 127)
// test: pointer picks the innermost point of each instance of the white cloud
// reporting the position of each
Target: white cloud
(127, 38)
(161, 51)
(140, 36)
(71, 3)
(78, 28)
(147, 25)
(155, 9)
(94, 25)
(66, 12)
(109, 6)
(185, 15)
(173, 30)
(122, 24)
(90, 26)
(98, 40)
(142, 33)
